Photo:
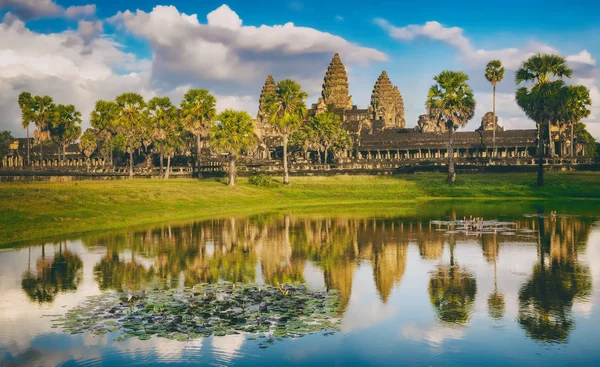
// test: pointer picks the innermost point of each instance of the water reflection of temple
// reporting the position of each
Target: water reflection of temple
(277, 248)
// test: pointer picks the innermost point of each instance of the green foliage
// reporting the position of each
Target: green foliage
(286, 107)
(104, 116)
(132, 115)
(494, 72)
(541, 102)
(233, 133)
(5, 140)
(65, 126)
(88, 142)
(322, 133)
(42, 114)
(198, 109)
(584, 136)
(262, 181)
(542, 69)
(26, 105)
(166, 127)
(451, 99)
(575, 103)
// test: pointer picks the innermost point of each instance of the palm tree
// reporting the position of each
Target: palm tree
(451, 102)
(64, 127)
(131, 114)
(26, 106)
(286, 109)
(43, 110)
(198, 109)
(494, 73)
(576, 100)
(103, 119)
(88, 144)
(166, 126)
(540, 101)
(232, 134)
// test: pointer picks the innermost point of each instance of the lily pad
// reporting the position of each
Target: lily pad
(207, 310)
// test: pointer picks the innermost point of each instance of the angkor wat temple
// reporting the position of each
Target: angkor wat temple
(380, 134)
(381, 142)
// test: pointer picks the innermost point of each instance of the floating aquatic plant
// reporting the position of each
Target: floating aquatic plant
(206, 310)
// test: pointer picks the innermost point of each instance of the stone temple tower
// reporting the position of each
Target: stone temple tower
(387, 105)
(335, 92)
(262, 119)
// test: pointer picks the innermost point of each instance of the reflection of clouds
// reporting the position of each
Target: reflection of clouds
(365, 308)
(434, 335)
(21, 321)
(51, 357)
(583, 308)
(128, 256)
(227, 347)
(313, 276)
(157, 349)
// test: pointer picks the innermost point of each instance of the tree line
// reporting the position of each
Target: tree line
(129, 123)
(542, 95)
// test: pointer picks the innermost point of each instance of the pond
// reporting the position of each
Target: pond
(451, 285)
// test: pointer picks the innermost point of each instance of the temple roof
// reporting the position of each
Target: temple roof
(335, 85)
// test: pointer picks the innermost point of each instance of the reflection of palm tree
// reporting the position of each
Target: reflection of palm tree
(61, 274)
(452, 291)
(112, 273)
(496, 299)
(545, 301)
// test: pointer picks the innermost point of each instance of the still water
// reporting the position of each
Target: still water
(413, 291)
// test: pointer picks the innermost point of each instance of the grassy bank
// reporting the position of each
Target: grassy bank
(38, 210)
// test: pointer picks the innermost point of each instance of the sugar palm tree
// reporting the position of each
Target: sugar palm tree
(88, 144)
(198, 109)
(451, 101)
(26, 106)
(575, 104)
(43, 110)
(540, 101)
(167, 128)
(494, 73)
(232, 134)
(131, 114)
(64, 127)
(103, 119)
(286, 110)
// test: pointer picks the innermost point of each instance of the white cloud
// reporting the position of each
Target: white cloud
(34, 9)
(224, 17)
(237, 55)
(75, 12)
(224, 56)
(89, 30)
(339, 18)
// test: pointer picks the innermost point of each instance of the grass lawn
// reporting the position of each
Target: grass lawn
(38, 210)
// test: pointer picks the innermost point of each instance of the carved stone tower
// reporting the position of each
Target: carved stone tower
(262, 119)
(387, 105)
(335, 92)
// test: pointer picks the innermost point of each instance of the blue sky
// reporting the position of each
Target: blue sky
(80, 51)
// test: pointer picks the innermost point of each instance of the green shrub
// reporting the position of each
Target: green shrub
(262, 181)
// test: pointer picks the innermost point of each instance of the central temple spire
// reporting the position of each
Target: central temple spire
(335, 86)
